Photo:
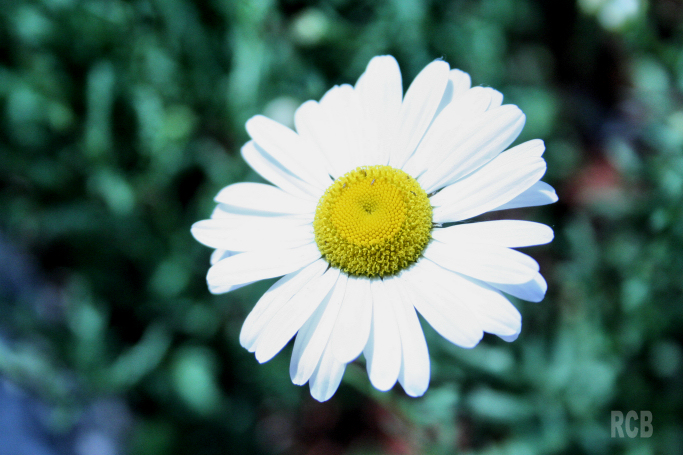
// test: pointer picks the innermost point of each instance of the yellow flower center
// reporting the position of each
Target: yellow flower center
(373, 221)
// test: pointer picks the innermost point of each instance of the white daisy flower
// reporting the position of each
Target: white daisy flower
(363, 224)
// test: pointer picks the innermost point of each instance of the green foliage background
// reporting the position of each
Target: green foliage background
(119, 122)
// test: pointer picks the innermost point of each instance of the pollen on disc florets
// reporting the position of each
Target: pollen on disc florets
(373, 221)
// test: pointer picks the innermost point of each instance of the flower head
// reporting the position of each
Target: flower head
(363, 223)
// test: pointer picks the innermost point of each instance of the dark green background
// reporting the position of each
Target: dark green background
(119, 122)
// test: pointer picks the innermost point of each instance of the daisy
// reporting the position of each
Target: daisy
(363, 222)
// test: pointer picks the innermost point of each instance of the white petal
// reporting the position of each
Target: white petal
(327, 377)
(534, 147)
(380, 92)
(471, 103)
(483, 261)
(258, 197)
(415, 369)
(473, 145)
(292, 316)
(461, 81)
(532, 291)
(417, 111)
(450, 127)
(219, 255)
(268, 168)
(321, 131)
(237, 214)
(477, 96)
(496, 98)
(223, 211)
(234, 234)
(494, 312)
(383, 351)
(511, 338)
(289, 150)
(427, 286)
(540, 193)
(239, 219)
(259, 265)
(345, 114)
(458, 83)
(315, 334)
(352, 329)
(492, 185)
(508, 233)
(274, 299)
